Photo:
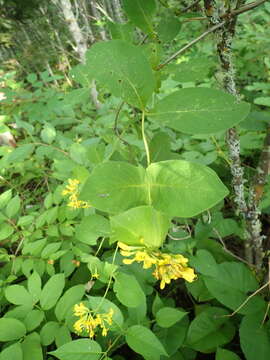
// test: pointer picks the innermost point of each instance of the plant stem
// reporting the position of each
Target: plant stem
(145, 140)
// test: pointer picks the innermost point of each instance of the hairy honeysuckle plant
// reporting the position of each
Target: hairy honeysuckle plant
(130, 226)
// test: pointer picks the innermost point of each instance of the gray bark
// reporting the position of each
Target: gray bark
(74, 28)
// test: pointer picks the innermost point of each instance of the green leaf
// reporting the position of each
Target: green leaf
(48, 133)
(255, 337)
(32, 348)
(33, 319)
(13, 352)
(78, 153)
(160, 147)
(5, 231)
(185, 189)
(140, 12)
(13, 207)
(199, 111)
(26, 220)
(265, 101)
(144, 342)
(50, 249)
(121, 31)
(82, 349)
(5, 198)
(140, 226)
(81, 75)
(231, 286)
(52, 291)
(209, 330)
(102, 305)
(167, 316)
(47, 333)
(128, 290)
(111, 65)
(173, 337)
(175, 187)
(157, 304)
(115, 187)
(168, 28)
(62, 336)
(11, 329)
(91, 228)
(199, 290)
(195, 70)
(70, 298)
(21, 153)
(204, 263)
(77, 96)
(223, 354)
(18, 295)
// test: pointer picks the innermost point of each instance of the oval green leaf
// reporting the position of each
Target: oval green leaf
(18, 295)
(199, 111)
(209, 330)
(52, 291)
(115, 186)
(144, 342)
(11, 329)
(123, 69)
(140, 12)
(151, 231)
(231, 283)
(128, 291)
(184, 189)
(78, 349)
(254, 337)
(167, 316)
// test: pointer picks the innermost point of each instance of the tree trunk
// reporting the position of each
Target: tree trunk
(74, 29)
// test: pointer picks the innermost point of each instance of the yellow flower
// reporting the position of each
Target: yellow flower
(90, 322)
(72, 190)
(80, 310)
(79, 325)
(167, 266)
(172, 267)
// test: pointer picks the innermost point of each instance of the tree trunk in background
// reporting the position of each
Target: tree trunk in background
(117, 10)
(96, 15)
(87, 21)
(80, 41)
(75, 31)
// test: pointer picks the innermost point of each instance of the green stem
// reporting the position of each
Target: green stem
(145, 140)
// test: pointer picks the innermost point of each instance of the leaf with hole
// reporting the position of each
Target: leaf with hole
(123, 69)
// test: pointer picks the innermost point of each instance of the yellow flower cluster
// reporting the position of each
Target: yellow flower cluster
(89, 322)
(167, 266)
(72, 190)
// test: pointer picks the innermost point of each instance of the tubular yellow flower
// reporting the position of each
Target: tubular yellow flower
(90, 322)
(80, 310)
(167, 266)
(72, 190)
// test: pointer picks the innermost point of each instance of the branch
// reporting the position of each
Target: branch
(248, 7)
(255, 194)
(232, 14)
(193, 42)
(247, 299)
(228, 251)
(190, 6)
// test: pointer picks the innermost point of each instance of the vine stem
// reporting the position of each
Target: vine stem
(145, 140)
